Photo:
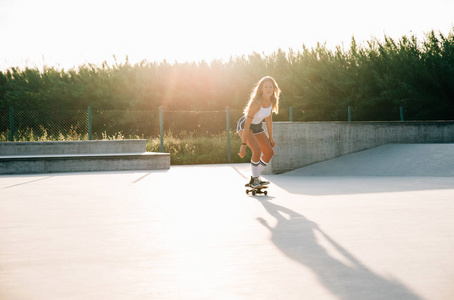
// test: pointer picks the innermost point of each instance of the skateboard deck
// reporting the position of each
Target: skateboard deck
(256, 190)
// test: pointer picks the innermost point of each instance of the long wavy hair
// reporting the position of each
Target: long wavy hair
(256, 94)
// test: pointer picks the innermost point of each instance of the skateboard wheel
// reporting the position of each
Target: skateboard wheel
(253, 193)
(266, 193)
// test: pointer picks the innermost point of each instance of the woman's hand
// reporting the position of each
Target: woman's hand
(272, 142)
(242, 151)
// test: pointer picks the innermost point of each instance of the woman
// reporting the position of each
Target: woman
(263, 101)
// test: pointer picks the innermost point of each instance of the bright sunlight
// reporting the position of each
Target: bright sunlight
(69, 33)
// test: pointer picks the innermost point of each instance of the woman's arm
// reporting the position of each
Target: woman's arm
(269, 128)
(255, 107)
(247, 125)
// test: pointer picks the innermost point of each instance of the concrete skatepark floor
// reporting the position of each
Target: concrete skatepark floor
(364, 226)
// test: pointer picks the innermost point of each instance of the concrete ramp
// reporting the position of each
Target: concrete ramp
(433, 160)
(134, 235)
(79, 156)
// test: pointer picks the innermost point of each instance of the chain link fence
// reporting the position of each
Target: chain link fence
(26, 125)
(110, 124)
(5, 134)
(190, 136)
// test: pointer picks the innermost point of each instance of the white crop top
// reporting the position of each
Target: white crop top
(262, 114)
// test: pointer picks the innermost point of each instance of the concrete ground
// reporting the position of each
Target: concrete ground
(363, 226)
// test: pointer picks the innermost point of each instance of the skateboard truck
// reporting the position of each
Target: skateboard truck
(257, 190)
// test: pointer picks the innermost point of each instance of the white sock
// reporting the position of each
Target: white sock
(255, 168)
(262, 166)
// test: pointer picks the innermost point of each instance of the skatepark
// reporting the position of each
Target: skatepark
(375, 224)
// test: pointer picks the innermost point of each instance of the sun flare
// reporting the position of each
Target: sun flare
(71, 33)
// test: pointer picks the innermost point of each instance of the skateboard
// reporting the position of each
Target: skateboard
(257, 190)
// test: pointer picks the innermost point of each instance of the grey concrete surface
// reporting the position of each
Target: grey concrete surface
(79, 156)
(433, 160)
(193, 233)
(300, 144)
(33, 164)
(72, 147)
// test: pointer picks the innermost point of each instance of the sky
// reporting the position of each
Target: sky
(69, 33)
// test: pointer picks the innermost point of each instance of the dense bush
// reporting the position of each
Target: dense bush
(374, 79)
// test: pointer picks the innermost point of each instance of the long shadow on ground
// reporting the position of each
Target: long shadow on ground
(295, 236)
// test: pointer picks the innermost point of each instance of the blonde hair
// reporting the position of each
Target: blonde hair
(256, 94)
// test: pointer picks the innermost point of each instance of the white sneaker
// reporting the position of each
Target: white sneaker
(263, 182)
(255, 183)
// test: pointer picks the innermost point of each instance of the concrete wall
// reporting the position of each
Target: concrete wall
(79, 156)
(72, 147)
(84, 163)
(302, 144)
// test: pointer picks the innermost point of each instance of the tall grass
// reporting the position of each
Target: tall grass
(185, 148)
(42, 135)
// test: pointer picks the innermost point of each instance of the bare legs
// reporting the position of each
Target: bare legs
(259, 144)
(262, 151)
(265, 147)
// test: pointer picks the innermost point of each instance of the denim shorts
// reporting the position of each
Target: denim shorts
(255, 128)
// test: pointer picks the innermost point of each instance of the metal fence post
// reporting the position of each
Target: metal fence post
(161, 128)
(291, 113)
(401, 109)
(89, 123)
(228, 132)
(349, 113)
(11, 124)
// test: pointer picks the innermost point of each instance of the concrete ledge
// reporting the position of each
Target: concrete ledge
(302, 144)
(73, 147)
(52, 157)
(84, 163)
